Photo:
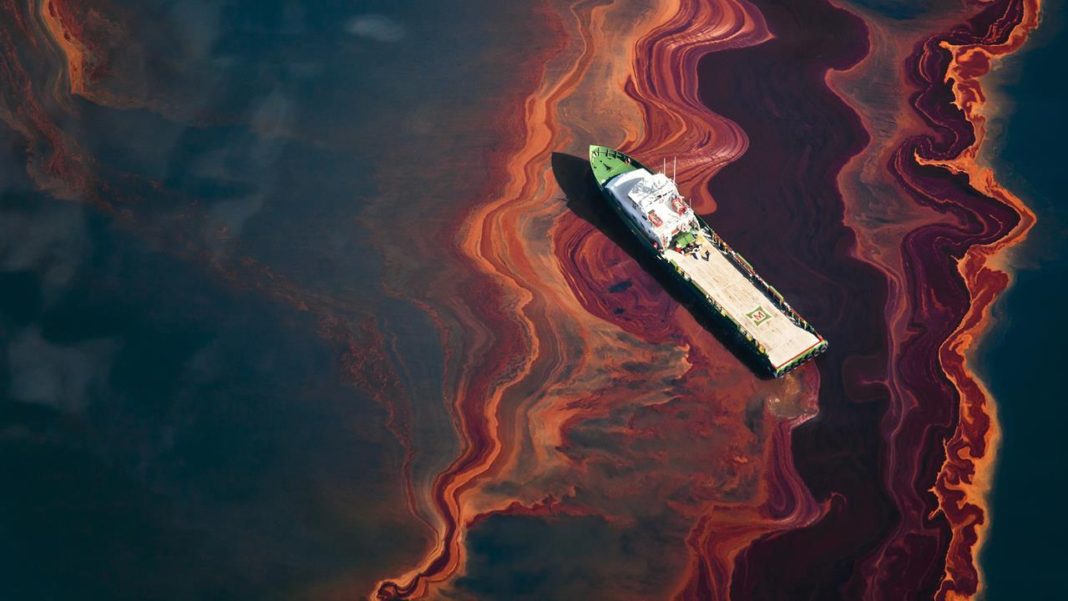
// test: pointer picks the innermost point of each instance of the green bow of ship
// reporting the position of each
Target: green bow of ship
(608, 163)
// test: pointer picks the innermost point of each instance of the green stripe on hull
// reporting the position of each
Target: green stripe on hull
(819, 349)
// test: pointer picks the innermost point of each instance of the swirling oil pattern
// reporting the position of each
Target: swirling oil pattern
(317, 300)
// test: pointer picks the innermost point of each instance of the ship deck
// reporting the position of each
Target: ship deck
(782, 339)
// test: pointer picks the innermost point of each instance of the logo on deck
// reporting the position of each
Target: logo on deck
(758, 315)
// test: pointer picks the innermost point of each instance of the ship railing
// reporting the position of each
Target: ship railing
(774, 296)
(819, 349)
(747, 270)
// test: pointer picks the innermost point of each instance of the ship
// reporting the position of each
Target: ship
(722, 282)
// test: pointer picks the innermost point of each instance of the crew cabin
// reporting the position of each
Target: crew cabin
(655, 204)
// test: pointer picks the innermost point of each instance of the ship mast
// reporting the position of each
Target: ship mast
(674, 167)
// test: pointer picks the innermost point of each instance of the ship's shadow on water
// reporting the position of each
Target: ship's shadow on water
(575, 178)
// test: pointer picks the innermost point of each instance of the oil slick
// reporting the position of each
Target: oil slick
(564, 391)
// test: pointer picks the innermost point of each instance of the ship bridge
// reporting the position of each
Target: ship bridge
(655, 203)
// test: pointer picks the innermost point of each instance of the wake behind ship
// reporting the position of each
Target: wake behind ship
(652, 208)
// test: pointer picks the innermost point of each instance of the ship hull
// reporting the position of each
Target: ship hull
(727, 324)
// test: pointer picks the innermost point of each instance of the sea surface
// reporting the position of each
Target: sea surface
(1023, 359)
(295, 303)
(194, 403)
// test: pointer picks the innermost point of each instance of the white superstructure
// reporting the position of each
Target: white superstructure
(654, 203)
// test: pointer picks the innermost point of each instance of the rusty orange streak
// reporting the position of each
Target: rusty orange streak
(644, 91)
(61, 25)
(966, 475)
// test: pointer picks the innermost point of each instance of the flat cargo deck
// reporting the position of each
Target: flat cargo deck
(782, 339)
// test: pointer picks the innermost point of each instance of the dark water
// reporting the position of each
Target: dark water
(1023, 360)
(171, 427)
